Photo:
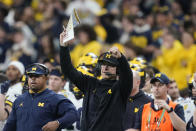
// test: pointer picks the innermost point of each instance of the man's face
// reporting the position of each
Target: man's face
(140, 21)
(108, 71)
(13, 73)
(136, 83)
(83, 37)
(55, 83)
(168, 41)
(37, 82)
(173, 90)
(159, 90)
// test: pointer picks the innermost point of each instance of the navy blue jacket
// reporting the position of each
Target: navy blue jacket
(133, 105)
(31, 112)
(104, 102)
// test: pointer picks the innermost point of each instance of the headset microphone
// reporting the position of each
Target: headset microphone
(110, 74)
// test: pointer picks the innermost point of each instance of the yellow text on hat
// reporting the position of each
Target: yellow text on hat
(40, 104)
(34, 69)
(136, 109)
(158, 75)
(108, 55)
(109, 91)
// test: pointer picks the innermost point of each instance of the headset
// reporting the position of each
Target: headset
(99, 63)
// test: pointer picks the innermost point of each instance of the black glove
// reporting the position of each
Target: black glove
(4, 87)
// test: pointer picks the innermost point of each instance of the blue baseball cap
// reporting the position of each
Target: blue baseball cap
(161, 78)
(56, 72)
(37, 68)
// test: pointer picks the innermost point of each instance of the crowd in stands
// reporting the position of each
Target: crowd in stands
(154, 36)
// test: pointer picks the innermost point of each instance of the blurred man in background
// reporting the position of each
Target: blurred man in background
(11, 89)
(191, 125)
(187, 103)
(136, 99)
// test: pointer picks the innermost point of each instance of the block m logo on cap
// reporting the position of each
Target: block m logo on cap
(158, 75)
(108, 55)
(40, 104)
(34, 69)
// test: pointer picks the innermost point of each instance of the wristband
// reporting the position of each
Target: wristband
(171, 110)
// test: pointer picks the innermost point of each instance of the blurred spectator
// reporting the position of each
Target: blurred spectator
(46, 47)
(107, 21)
(187, 103)
(127, 28)
(167, 59)
(3, 13)
(141, 37)
(87, 43)
(21, 50)
(177, 12)
(98, 27)
(4, 45)
(10, 89)
(50, 63)
(186, 62)
(191, 125)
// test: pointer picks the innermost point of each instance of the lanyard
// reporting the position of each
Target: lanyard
(158, 122)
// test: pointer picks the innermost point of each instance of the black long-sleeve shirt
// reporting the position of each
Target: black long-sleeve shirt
(104, 101)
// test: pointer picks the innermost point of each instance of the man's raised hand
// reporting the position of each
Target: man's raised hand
(115, 52)
(62, 36)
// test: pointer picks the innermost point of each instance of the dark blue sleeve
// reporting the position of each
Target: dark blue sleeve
(11, 121)
(179, 111)
(78, 126)
(67, 112)
(190, 126)
(138, 121)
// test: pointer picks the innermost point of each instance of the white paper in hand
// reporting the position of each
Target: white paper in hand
(73, 22)
(76, 20)
(69, 31)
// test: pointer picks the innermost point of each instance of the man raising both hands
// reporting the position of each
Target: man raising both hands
(105, 100)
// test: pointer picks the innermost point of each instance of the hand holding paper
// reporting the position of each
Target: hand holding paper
(68, 33)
